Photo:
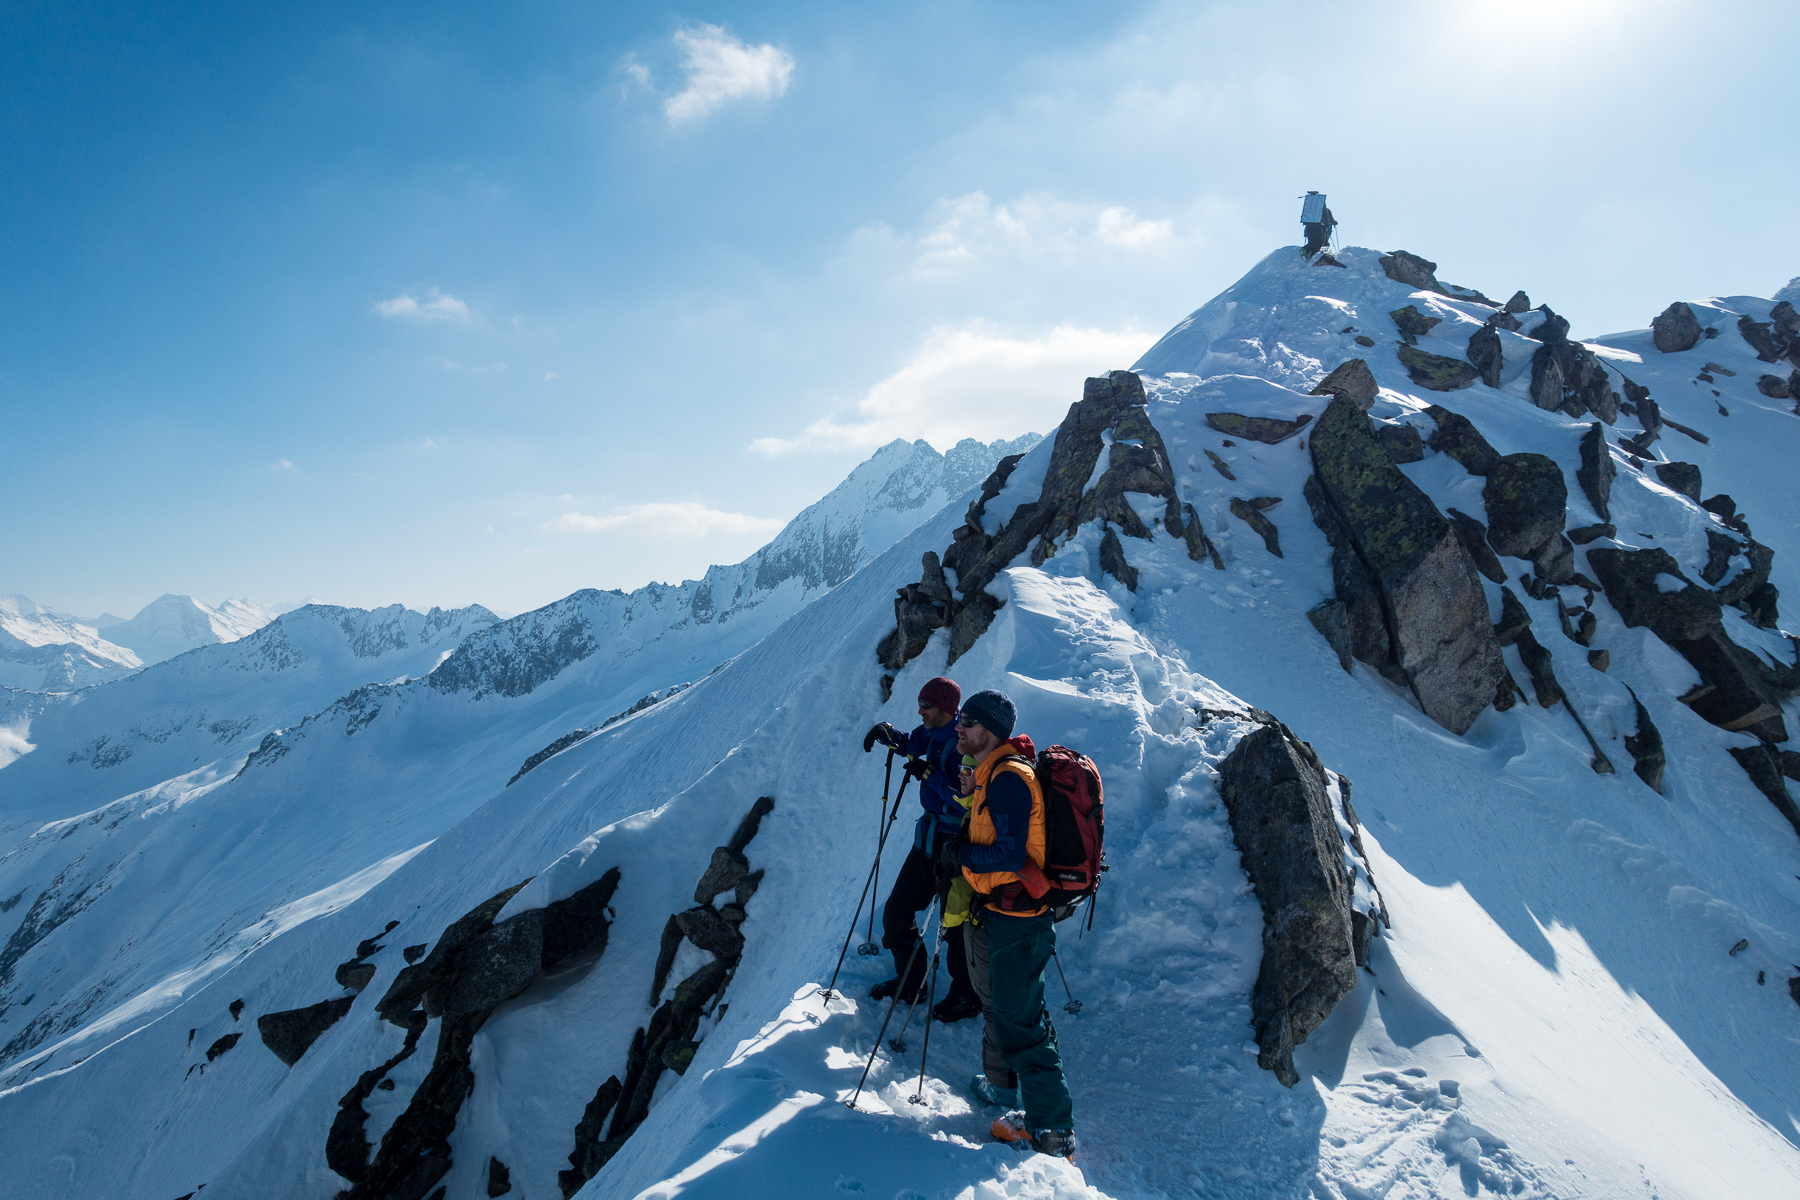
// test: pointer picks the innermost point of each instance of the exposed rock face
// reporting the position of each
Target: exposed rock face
(1268, 430)
(1646, 748)
(1437, 614)
(1773, 386)
(1519, 303)
(1680, 477)
(1350, 380)
(290, 1034)
(1114, 563)
(1485, 354)
(1473, 536)
(1436, 372)
(1763, 765)
(1760, 336)
(727, 867)
(1595, 474)
(1676, 329)
(1526, 501)
(1137, 461)
(1569, 377)
(1457, 436)
(1401, 442)
(1353, 621)
(1250, 515)
(1584, 534)
(1287, 835)
(1736, 691)
(1413, 324)
(919, 608)
(1413, 271)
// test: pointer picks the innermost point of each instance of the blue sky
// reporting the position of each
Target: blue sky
(447, 303)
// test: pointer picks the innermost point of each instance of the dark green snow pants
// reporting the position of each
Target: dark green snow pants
(1019, 949)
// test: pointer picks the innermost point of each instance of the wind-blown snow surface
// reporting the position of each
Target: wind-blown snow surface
(1554, 1013)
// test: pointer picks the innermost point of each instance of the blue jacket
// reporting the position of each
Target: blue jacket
(943, 813)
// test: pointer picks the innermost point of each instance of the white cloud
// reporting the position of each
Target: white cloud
(435, 307)
(1118, 227)
(972, 233)
(681, 521)
(281, 464)
(973, 382)
(722, 70)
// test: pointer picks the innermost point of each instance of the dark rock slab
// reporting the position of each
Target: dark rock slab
(1330, 619)
(746, 887)
(289, 1034)
(1350, 380)
(1680, 477)
(222, 1045)
(354, 975)
(1473, 536)
(1357, 597)
(413, 982)
(499, 1180)
(919, 610)
(1486, 356)
(748, 827)
(1401, 442)
(492, 967)
(1773, 386)
(1434, 371)
(1114, 562)
(727, 867)
(1526, 499)
(1719, 552)
(1250, 515)
(1646, 748)
(1546, 381)
(1596, 472)
(1519, 303)
(1581, 535)
(1413, 324)
(1629, 579)
(1553, 328)
(1413, 271)
(1287, 836)
(1675, 329)
(1457, 436)
(1759, 334)
(1514, 618)
(1437, 613)
(590, 1154)
(1763, 765)
(710, 932)
(1268, 430)
(665, 957)
(1554, 561)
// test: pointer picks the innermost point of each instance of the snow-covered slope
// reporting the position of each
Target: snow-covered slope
(171, 625)
(45, 651)
(1560, 1008)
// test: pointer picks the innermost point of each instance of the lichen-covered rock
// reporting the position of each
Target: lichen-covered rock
(1434, 371)
(708, 930)
(1401, 442)
(1675, 329)
(1358, 599)
(1351, 380)
(1526, 499)
(1437, 612)
(1268, 430)
(1457, 436)
(1412, 323)
(289, 1034)
(1596, 472)
(1288, 839)
(1485, 354)
(1630, 580)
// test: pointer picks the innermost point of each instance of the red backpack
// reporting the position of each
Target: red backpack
(1074, 831)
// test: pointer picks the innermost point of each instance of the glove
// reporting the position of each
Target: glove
(946, 855)
(884, 733)
(918, 768)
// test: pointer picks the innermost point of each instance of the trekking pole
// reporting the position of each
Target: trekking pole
(868, 947)
(1073, 1007)
(918, 1096)
(892, 1005)
(827, 991)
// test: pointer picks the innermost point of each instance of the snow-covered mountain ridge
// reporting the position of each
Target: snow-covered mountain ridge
(49, 651)
(1583, 991)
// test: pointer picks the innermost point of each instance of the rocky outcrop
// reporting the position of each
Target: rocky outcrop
(1249, 512)
(1485, 354)
(1473, 536)
(1763, 764)
(1276, 793)
(1402, 442)
(1434, 371)
(1457, 436)
(1352, 621)
(289, 1034)
(1568, 377)
(1646, 748)
(1114, 563)
(1736, 691)
(1136, 462)
(1680, 477)
(1772, 386)
(1596, 472)
(1761, 338)
(1350, 380)
(1413, 271)
(1675, 329)
(1430, 596)
(1526, 499)
(1267, 430)
(1519, 303)
(1413, 324)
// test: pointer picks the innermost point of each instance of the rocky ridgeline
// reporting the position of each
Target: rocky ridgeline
(477, 964)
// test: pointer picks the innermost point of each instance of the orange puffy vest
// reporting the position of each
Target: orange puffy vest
(1007, 891)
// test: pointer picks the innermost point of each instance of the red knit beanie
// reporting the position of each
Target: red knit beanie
(942, 694)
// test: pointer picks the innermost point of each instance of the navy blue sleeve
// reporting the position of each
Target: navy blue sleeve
(1009, 802)
(938, 792)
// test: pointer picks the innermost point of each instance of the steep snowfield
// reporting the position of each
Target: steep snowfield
(1555, 1011)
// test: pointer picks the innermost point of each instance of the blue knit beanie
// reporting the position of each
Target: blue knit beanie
(993, 711)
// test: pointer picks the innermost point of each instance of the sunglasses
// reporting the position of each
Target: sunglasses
(966, 722)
